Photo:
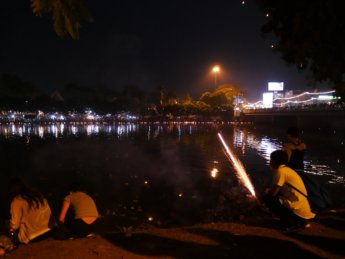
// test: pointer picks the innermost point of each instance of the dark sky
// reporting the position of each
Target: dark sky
(147, 44)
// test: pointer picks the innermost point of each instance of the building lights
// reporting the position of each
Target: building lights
(282, 101)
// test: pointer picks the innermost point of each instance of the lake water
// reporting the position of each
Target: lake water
(169, 174)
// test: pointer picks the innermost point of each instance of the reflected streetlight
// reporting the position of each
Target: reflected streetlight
(215, 70)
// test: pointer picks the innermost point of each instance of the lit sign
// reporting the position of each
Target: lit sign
(275, 86)
(267, 100)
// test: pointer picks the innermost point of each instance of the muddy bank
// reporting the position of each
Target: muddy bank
(251, 237)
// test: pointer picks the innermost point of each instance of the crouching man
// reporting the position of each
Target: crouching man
(283, 199)
(85, 214)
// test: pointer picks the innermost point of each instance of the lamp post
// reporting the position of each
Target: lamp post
(215, 70)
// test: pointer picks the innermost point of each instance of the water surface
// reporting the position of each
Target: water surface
(173, 173)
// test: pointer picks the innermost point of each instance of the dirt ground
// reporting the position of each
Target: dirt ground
(249, 238)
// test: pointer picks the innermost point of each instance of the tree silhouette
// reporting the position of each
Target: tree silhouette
(224, 95)
(311, 35)
(16, 93)
(12, 86)
(67, 15)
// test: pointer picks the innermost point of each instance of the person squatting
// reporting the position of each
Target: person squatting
(283, 199)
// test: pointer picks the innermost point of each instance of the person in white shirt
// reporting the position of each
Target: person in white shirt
(84, 210)
(30, 213)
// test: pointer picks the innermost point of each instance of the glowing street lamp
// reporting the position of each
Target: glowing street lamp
(216, 70)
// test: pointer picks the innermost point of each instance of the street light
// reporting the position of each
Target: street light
(216, 70)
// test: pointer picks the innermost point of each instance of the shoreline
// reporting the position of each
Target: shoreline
(249, 238)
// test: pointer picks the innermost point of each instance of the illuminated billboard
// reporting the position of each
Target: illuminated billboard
(267, 100)
(275, 86)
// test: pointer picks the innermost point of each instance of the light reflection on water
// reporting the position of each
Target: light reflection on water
(60, 129)
(179, 165)
(242, 138)
(265, 145)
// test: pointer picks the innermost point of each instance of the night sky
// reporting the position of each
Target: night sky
(149, 44)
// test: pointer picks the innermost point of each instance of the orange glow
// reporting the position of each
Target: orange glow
(239, 168)
(216, 69)
(214, 172)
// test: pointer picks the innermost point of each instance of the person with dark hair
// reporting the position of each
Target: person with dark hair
(6, 245)
(286, 202)
(84, 210)
(30, 213)
(295, 149)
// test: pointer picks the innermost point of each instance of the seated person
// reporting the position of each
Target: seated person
(295, 150)
(84, 209)
(288, 204)
(30, 213)
(6, 245)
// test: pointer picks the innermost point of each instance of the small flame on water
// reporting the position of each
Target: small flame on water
(214, 172)
(239, 168)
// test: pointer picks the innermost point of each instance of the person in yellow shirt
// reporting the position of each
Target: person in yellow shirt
(84, 210)
(30, 214)
(288, 204)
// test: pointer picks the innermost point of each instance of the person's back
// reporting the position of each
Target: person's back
(29, 212)
(29, 221)
(85, 213)
(82, 204)
(290, 197)
(296, 159)
(283, 199)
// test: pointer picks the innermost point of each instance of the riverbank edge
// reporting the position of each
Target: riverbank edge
(248, 238)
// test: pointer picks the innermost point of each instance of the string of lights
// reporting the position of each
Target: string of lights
(292, 99)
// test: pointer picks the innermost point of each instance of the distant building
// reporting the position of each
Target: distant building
(294, 98)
